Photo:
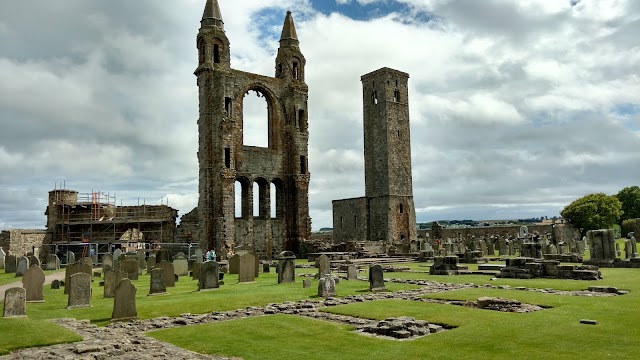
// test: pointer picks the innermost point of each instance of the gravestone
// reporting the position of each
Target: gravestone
(71, 257)
(195, 271)
(198, 255)
(234, 264)
(33, 282)
(327, 287)
(376, 278)
(502, 247)
(553, 250)
(627, 249)
(634, 248)
(181, 265)
(53, 262)
(107, 260)
(157, 285)
(491, 249)
(618, 252)
(324, 266)
(162, 255)
(10, 264)
(33, 260)
(79, 291)
(209, 276)
(142, 263)
(306, 283)
(124, 303)
(111, 278)
(169, 273)
(266, 268)
(15, 302)
(256, 268)
(151, 263)
(352, 272)
(87, 260)
(23, 265)
(483, 247)
(247, 268)
(117, 253)
(286, 267)
(2, 256)
(55, 284)
(129, 266)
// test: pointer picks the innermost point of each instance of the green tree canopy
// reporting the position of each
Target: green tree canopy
(593, 212)
(630, 199)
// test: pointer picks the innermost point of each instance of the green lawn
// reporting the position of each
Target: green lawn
(10, 278)
(553, 333)
(24, 333)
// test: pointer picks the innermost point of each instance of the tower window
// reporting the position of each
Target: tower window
(355, 221)
(295, 70)
(341, 222)
(227, 157)
(401, 209)
(227, 105)
(396, 96)
(279, 70)
(374, 97)
(216, 54)
(303, 165)
(202, 49)
(301, 120)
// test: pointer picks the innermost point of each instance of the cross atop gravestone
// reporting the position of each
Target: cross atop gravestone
(33, 282)
(79, 291)
(15, 302)
(124, 303)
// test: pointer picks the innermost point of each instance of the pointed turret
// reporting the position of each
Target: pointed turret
(212, 14)
(289, 36)
(290, 61)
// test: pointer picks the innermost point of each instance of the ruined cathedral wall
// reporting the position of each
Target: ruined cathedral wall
(350, 220)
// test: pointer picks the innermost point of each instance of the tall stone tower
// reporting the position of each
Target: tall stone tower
(387, 154)
(225, 160)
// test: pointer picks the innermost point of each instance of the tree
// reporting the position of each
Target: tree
(593, 212)
(630, 199)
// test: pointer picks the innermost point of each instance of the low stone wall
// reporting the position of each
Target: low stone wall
(528, 268)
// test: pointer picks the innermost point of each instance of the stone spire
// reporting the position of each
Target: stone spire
(289, 36)
(212, 14)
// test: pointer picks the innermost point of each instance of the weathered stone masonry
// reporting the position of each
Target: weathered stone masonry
(224, 159)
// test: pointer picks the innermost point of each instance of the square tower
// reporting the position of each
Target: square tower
(387, 154)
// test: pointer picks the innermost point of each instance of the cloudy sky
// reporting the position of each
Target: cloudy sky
(517, 107)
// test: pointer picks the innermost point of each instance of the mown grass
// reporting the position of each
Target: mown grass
(182, 299)
(11, 278)
(554, 333)
(23, 333)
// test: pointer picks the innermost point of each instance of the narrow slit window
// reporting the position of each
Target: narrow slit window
(216, 53)
(279, 70)
(355, 221)
(374, 97)
(303, 165)
(301, 120)
(401, 209)
(227, 105)
(396, 96)
(227, 157)
(341, 222)
(295, 70)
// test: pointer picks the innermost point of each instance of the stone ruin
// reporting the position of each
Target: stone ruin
(528, 268)
(446, 265)
(603, 250)
(402, 328)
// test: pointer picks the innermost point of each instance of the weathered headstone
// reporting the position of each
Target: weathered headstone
(124, 303)
(376, 278)
(55, 284)
(209, 276)
(181, 265)
(634, 248)
(107, 260)
(33, 282)
(483, 247)
(87, 260)
(266, 268)
(234, 264)
(117, 253)
(195, 271)
(10, 264)
(327, 287)
(502, 247)
(247, 268)
(142, 262)
(15, 302)
(169, 273)
(162, 255)
(553, 250)
(324, 266)
(198, 255)
(33, 260)
(130, 267)
(79, 291)
(23, 265)
(74, 269)
(157, 285)
(352, 272)
(71, 257)
(2, 256)
(111, 279)
(53, 262)
(151, 263)
(286, 267)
